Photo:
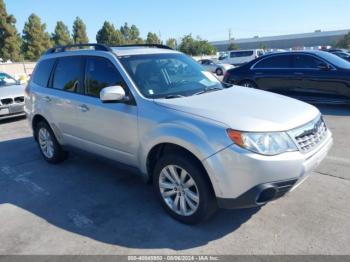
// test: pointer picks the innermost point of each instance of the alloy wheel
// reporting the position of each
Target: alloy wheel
(179, 190)
(46, 143)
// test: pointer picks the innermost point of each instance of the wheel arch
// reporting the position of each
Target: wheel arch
(161, 149)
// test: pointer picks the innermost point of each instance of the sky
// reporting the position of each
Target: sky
(208, 19)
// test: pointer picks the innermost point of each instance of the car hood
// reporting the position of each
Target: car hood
(11, 91)
(246, 109)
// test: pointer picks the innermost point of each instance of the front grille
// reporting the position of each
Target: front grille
(6, 101)
(19, 99)
(310, 135)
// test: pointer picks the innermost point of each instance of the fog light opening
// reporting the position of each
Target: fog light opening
(266, 195)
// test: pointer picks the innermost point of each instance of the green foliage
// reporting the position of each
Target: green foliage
(152, 38)
(79, 32)
(196, 47)
(171, 42)
(61, 35)
(35, 38)
(232, 46)
(10, 42)
(131, 34)
(109, 35)
(345, 42)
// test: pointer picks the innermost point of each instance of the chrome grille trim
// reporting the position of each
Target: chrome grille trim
(309, 136)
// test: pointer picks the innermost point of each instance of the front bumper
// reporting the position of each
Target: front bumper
(239, 176)
(12, 110)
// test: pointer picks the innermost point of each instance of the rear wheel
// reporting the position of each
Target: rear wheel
(219, 72)
(183, 189)
(48, 145)
(249, 84)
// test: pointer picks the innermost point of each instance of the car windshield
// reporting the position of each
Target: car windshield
(6, 80)
(169, 75)
(335, 60)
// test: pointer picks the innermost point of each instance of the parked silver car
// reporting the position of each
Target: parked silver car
(11, 97)
(215, 67)
(202, 143)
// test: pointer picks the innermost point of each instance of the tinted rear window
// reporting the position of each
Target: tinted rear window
(42, 72)
(274, 62)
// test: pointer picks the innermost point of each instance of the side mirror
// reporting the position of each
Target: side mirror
(113, 94)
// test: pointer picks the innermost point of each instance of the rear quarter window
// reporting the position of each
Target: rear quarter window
(42, 72)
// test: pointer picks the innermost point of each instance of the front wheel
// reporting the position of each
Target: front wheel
(249, 84)
(183, 189)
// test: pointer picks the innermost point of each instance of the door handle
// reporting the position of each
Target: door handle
(84, 108)
(298, 73)
(47, 99)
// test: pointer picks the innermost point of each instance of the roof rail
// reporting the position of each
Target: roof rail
(145, 45)
(98, 47)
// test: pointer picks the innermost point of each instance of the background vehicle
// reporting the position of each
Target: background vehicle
(241, 57)
(155, 109)
(343, 55)
(313, 76)
(215, 67)
(11, 97)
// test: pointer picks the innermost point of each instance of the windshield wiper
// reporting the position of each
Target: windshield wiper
(173, 96)
(207, 90)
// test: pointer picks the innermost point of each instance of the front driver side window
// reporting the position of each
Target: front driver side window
(100, 73)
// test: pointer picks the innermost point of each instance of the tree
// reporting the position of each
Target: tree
(79, 32)
(61, 35)
(131, 34)
(195, 47)
(35, 38)
(172, 43)
(232, 46)
(10, 42)
(108, 35)
(344, 42)
(152, 38)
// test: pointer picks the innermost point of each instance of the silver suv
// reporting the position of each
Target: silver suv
(203, 143)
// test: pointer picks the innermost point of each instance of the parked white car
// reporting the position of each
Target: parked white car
(241, 57)
(11, 97)
(215, 67)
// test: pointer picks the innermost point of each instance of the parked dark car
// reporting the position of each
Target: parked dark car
(343, 55)
(313, 76)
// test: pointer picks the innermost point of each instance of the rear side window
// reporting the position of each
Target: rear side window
(100, 73)
(274, 62)
(42, 72)
(306, 62)
(67, 74)
(241, 54)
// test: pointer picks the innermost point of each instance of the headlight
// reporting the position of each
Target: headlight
(269, 144)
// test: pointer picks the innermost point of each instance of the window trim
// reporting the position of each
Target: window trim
(292, 68)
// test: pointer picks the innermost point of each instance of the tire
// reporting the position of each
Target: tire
(190, 201)
(248, 83)
(219, 71)
(49, 147)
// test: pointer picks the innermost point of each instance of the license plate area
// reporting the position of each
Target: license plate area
(4, 111)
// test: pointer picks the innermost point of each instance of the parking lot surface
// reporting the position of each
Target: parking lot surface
(92, 206)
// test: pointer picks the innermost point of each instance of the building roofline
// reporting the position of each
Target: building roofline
(282, 37)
